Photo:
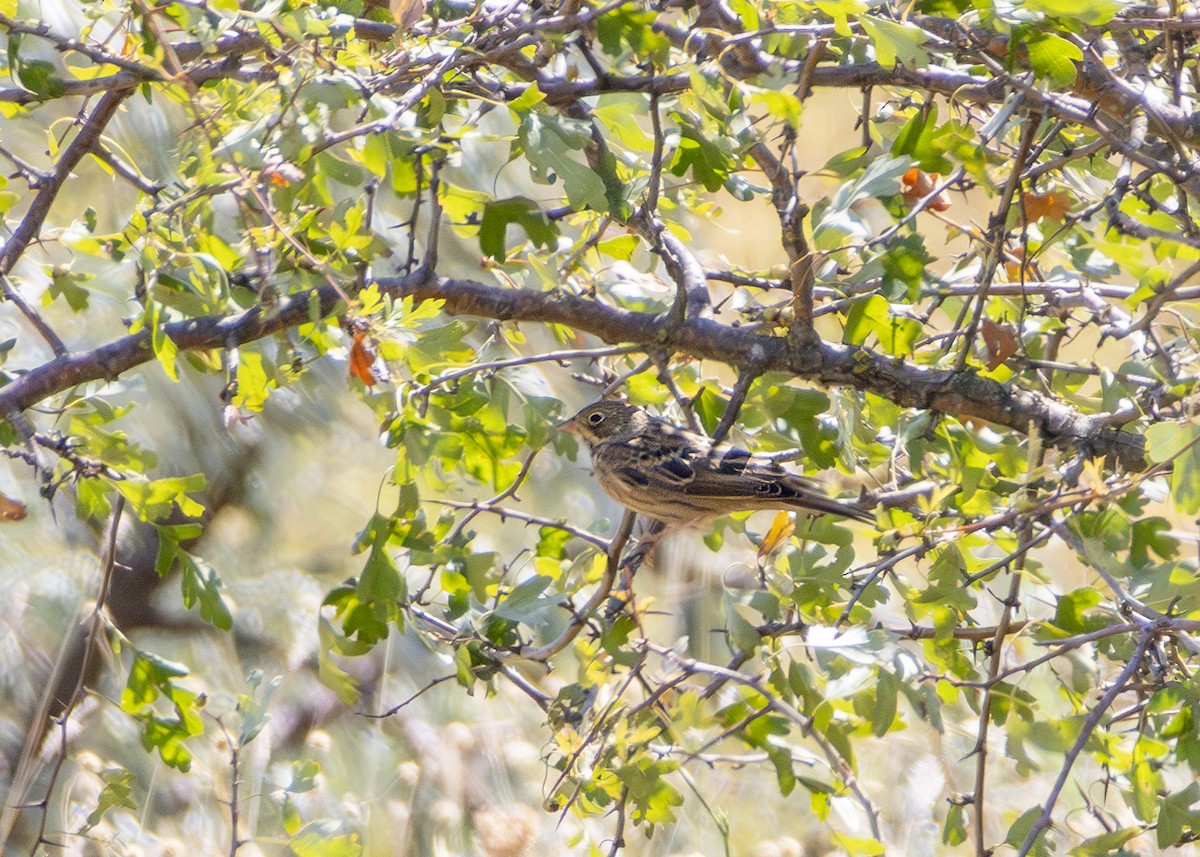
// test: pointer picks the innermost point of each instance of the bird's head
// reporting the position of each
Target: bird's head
(606, 421)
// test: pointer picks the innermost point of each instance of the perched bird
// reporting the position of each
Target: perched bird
(676, 476)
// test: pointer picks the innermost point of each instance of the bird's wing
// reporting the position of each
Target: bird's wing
(734, 475)
(684, 461)
(666, 456)
(654, 459)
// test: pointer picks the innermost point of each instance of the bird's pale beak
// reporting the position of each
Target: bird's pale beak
(569, 426)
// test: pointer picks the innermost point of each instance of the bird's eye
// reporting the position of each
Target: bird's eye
(596, 419)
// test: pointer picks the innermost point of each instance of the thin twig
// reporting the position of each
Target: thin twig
(774, 703)
(1085, 734)
(559, 357)
(980, 751)
(487, 505)
(994, 249)
(428, 687)
(507, 512)
(580, 617)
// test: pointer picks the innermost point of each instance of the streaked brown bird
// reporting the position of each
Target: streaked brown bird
(676, 476)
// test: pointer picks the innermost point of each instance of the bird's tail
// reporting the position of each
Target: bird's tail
(813, 502)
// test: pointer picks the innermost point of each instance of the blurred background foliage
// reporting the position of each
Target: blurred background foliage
(298, 292)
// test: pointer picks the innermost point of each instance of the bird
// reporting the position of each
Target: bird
(679, 477)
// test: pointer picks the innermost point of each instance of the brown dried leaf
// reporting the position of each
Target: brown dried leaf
(11, 510)
(362, 359)
(1052, 206)
(406, 13)
(1000, 341)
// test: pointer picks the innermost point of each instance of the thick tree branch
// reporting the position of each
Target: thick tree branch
(963, 394)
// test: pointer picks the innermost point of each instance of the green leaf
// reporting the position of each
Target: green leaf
(709, 408)
(1069, 614)
(155, 499)
(709, 165)
(921, 139)
(858, 844)
(552, 542)
(864, 318)
(653, 797)
(1152, 535)
(551, 145)
(1020, 829)
(887, 691)
(873, 315)
(525, 602)
(621, 247)
(1167, 439)
(164, 347)
(1054, 57)
(780, 104)
(785, 771)
(382, 587)
(1093, 13)
(253, 706)
(66, 285)
(1147, 785)
(904, 264)
(743, 635)
(943, 8)
(840, 219)
(527, 100)
(151, 678)
(202, 585)
(328, 671)
(117, 792)
(304, 776)
(91, 499)
(841, 11)
(945, 587)
(522, 211)
(1105, 843)
(1175, 816)
(629, 27)
(896, 42)
(1185, 482)
(38, 76)
(955, 830)
(146, 677)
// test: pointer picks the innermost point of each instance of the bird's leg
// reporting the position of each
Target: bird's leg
(641, 553)
(644, 550)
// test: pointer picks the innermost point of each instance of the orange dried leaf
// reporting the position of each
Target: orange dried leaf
(362, 360)
(781, 530)
(1014, 260)
(1019, 268)
(11, 510)
(917, 185)
(1052, 206)
(1000, 341)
